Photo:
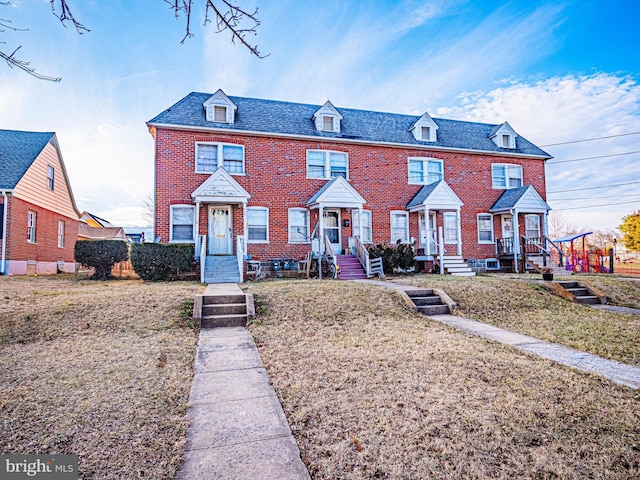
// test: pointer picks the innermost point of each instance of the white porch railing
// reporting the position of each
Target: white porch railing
(441, 250)
(241, 253)
(363, 255)
(201, 254)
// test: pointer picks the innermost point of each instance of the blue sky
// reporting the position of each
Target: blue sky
(557, 71)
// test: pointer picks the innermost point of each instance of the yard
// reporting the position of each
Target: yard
(371, 389)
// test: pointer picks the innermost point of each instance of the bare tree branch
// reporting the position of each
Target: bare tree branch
(64, 13)
(12, 61)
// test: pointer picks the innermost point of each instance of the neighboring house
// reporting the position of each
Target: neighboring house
(88, 232)
(39, 216)
(94, 220)
(232, 168)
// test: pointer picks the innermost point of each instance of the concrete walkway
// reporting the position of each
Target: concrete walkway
(238, 429)
(617, 372)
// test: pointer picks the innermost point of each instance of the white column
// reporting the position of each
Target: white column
(360, 223)
(245, 223)
(516, 240)
(321, 229)
(427, 235)
(459, 226)
(197, 228)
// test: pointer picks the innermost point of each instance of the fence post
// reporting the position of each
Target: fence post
(611, 260)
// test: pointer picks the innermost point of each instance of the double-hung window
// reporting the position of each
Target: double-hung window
(504, 175)
(399, 227)
(327, 164)
(298, 225)
(366, 225)
(31, 227)
(258, 224)
(485, 228)
(51, 177)
(210, 156)
(450, 227)
(61, 234)
(532, 226)
(423, 171)
(182, 222)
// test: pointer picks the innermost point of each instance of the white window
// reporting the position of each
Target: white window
(399, 227)
(366, 225)
(426, 133)
(298, 225)
(327, 164)
(51, 173)
(182, 223)
(210, 156)
(532, 226)
(485, 228)
(423, 171)
(31, 227)
(258, 225)
(327, 124)
(61, 234)
(506, 175)
(506, 141)
(219, 113)
(450, 227)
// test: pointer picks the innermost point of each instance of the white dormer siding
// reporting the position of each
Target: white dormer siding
(327, 118)
(425, 129)
(504, 136)
(219, 108)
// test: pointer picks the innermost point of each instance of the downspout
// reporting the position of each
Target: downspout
(5, 212)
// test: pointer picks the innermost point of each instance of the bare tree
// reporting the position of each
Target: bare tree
(149, 205)
(228, 16)
(559, 226)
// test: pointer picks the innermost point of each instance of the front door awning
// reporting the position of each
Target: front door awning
(435, 196)
(522, 199)
(220, 187)
(338, 193)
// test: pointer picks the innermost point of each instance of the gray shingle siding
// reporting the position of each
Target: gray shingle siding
(18, 150)
(276, 117)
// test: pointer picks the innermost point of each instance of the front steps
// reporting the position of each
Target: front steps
(350, 268)
(456, 266)
(429, 302)
(221, 269)
(224, 306)
(584, 294)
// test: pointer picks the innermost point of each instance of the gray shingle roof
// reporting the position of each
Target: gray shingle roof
(509, 198)
(270, 116)
(18, 150)
(423, 193)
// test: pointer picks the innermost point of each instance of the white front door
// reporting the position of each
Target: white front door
(428, 233)
(331, 228)
(507, 234)
(220, 233)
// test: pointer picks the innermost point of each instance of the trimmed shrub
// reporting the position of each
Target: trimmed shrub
(161, 261)
(101, 255)
(393, 257)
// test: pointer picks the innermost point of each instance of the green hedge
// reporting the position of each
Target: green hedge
(160, 261)
(393, 257)
(102, 255)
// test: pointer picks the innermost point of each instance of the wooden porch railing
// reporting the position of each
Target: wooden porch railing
(363, 255)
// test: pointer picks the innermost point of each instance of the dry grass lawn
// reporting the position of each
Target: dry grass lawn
(514, 303)
(98, 369)
(374, 390)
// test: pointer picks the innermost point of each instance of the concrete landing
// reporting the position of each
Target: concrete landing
(617, 372)
(238, 429)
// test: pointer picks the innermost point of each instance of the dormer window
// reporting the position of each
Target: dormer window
(219, 108)
(504, 136)
(424, 129)
(219, 113)
(327, 119)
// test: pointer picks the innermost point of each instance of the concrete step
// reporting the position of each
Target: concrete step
(209, 300)
(224, 321)
(420, 293)
(224, 309)
(430, 300)
(352, 276)
(464, 274)
(433, 309)
(578, 292)
(588, 300)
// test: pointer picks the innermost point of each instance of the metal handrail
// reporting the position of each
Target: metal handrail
(560, 263)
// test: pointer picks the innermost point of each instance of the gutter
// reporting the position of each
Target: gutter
(425, 147)
(4, 232)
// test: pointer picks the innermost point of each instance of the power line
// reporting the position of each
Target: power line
(593, 206)
(594, 188)
(592, 158)
(589, 139)
(593, 198)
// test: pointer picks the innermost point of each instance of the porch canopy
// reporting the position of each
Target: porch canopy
(337, 193)
(515, 201)
(220, 188)
(437, 196)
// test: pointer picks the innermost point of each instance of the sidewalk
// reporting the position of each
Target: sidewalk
(617, 372)
(238, 429)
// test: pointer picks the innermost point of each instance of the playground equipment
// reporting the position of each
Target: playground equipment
(582, 260)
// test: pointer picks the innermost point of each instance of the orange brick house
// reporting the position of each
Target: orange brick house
(243, 176)
(38, 214)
